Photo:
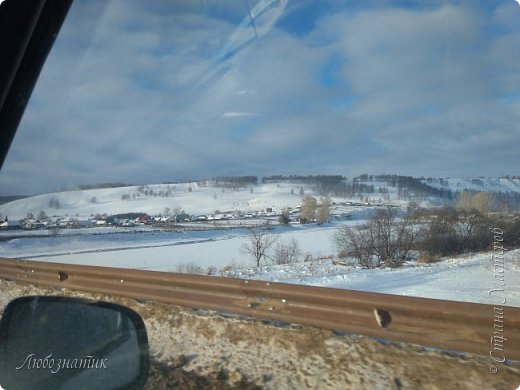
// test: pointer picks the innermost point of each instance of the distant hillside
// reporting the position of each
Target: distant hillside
(249, 195)
(193, 198)
(486, 184)
(506, 190)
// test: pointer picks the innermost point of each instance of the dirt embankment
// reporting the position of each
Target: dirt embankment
(194, 349)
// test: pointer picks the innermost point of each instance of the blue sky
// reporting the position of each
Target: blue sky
(142, 92)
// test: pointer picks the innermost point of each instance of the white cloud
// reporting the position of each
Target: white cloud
(142, 94)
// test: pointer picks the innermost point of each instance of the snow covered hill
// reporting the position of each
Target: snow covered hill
(192, 197)
(485, 184)
(203, 197)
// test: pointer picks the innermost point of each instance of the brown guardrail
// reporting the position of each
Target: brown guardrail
(448, 325)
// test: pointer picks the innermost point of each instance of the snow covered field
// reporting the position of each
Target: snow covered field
(464, 278)
(159, 250)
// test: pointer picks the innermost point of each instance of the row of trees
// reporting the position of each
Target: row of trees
(235, 182)
(313, 211)
(103, 185)
(344, 189)
(485, 202)
(384, 239)
(412, 188)
(54, 203)
(41, 216)
(309, 179)
(481, 202)
(388, 238)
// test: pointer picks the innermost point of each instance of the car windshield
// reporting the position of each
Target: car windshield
(365, 145)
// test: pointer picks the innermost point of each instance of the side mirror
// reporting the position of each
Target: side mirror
(68, 343)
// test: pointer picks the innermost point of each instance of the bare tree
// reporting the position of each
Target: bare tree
(355, 242)
(439, 235)
(175, 213)
(403, 238)
(385, 239)
(503, 209)
(483, 202)
(260, 241)
(55, 203)
(54, 230)
(464, 200)
(287, 252)
(323, 210)
(284, 218)
(472, 229)
(308, 210)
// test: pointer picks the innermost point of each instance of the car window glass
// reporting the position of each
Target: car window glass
(204, 127)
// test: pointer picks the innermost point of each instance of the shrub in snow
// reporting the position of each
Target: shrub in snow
(287, 252)
(426, 258)
(384, 239)
(190, 268)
